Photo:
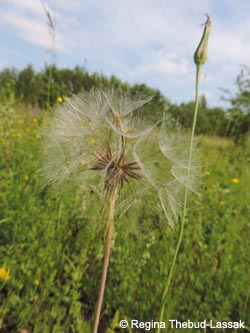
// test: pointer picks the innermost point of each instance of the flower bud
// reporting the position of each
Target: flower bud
(201, 52)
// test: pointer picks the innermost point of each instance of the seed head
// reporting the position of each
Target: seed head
(97, 142)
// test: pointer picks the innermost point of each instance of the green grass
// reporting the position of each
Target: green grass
(52, 245)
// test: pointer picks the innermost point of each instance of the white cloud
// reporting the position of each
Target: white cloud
(230, 46)
(147, 40)
(69, 6)
(163, 63)
(31, 28)
(166, 66)
(32, 6)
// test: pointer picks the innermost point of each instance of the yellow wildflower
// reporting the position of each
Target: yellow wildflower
(20, 121)
(207, 173)
(36, 282)
(221, 203)
(35, 121)
(235, 180)
(4, 274)
(26, 178)
(59, 99)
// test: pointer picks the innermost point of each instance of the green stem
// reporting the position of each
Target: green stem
(181, 231)
(52, 62)
(105, 260)
(197, 88)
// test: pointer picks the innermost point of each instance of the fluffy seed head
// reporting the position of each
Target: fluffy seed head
(96, 141)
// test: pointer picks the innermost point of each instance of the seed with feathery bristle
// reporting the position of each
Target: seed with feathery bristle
(117, 170)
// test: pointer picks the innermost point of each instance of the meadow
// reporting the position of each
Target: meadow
(52, 244)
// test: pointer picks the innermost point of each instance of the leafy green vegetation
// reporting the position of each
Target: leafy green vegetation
(31, 88)
(52, 245)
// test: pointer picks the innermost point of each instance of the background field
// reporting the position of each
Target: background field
(52, 244)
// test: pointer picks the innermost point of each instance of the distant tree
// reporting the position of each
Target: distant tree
(183, 113)
(211, 121)
(238, 115)
(79, 75)
(8, 81)
(203, 102)
(216, 121)
(27, 87)
(241, 100)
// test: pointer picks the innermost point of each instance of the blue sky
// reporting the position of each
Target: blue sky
(140, 41)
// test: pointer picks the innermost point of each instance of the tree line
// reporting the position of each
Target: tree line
(42, 89)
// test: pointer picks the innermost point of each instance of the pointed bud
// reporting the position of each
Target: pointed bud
(201, 52)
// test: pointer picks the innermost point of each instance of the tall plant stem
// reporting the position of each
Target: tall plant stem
(106, 259)
(182, 223)
(52, 31)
